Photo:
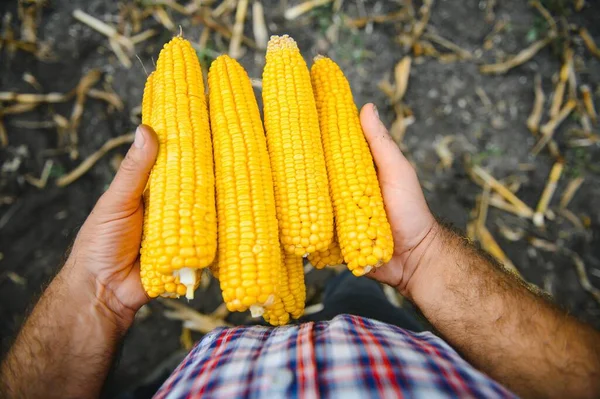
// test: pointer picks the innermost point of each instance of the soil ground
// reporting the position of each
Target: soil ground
(38, 226)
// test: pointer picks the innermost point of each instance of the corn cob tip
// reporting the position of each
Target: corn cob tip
(257, 310)
(319, 57)
(283, 42)
(187, 277)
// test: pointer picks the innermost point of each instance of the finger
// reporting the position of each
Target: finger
(388, 157)
(132, 176)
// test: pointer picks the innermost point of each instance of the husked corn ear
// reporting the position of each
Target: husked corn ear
(363, 231)
(291, 292)
(331, 256)
(180, 229)
(249, 257)
(302, 198)
(147, 101)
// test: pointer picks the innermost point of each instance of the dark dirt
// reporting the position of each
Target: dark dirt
(37, 228)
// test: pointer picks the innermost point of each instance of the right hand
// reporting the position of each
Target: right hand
(413, 226)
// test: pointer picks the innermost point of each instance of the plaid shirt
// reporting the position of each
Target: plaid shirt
(347, 357)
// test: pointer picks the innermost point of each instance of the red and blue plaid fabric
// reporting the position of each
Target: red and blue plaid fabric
(347, 357)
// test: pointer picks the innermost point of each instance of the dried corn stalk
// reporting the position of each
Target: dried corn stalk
(238, 29)
(533, 122)
(521, 58)
(92, 159)
(302, 8)
(259, 27)
(538, 217)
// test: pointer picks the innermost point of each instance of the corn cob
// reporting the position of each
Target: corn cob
(332, 256)
(363, 231)
(147, 101)
(249, 257)
(302, 200)
(180, 230)
(291, 292)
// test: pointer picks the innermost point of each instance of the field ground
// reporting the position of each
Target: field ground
(458, 112)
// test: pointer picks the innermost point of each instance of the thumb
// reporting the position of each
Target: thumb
(389, 159)
(132, 176)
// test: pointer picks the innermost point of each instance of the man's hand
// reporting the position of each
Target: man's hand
(67, 344)
(107, 248)
(413, 226)
(491, 317)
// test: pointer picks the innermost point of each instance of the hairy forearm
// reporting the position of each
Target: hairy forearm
(66, 346)
(501, 326)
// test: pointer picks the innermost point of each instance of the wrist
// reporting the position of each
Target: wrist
(427, 263)
(93, 298)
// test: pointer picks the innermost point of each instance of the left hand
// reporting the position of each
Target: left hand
(105, 255)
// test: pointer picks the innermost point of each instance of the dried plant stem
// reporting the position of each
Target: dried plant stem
(43, 179)
(163, 18)
(400, 15)
(401, 75)
(302, 8)
(484, 204)
(225, 7)
(172, 5)
(88, 80)
(584, 280)
(443, 151)
(29, 78)
(559, 92)
(498, 202)
(533, 122)
(522, 57)
(259, 27)
(92, 159)
(588, 103)
(238, 29)
(498, 187)
(546, 197)
(462, 53)
(491, 246)
(3, 135)
(18, 108)
(103, 28)
(120, 53)
(589, 42)
(570, 191)
(111, 98)
(557, 99)
(143, 36)
(549, 128)
(547, 16)
(419, 26)
(224, 31)
(35, 98)
(191, 318)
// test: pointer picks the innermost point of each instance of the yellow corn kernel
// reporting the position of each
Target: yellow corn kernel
(291, 292)
(363, 231)
(147, 101)
(331, 256)
(249, 259)
(302, 198)
(180, 229)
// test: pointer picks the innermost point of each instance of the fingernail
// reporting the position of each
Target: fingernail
(376, 111)
(139, 141)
